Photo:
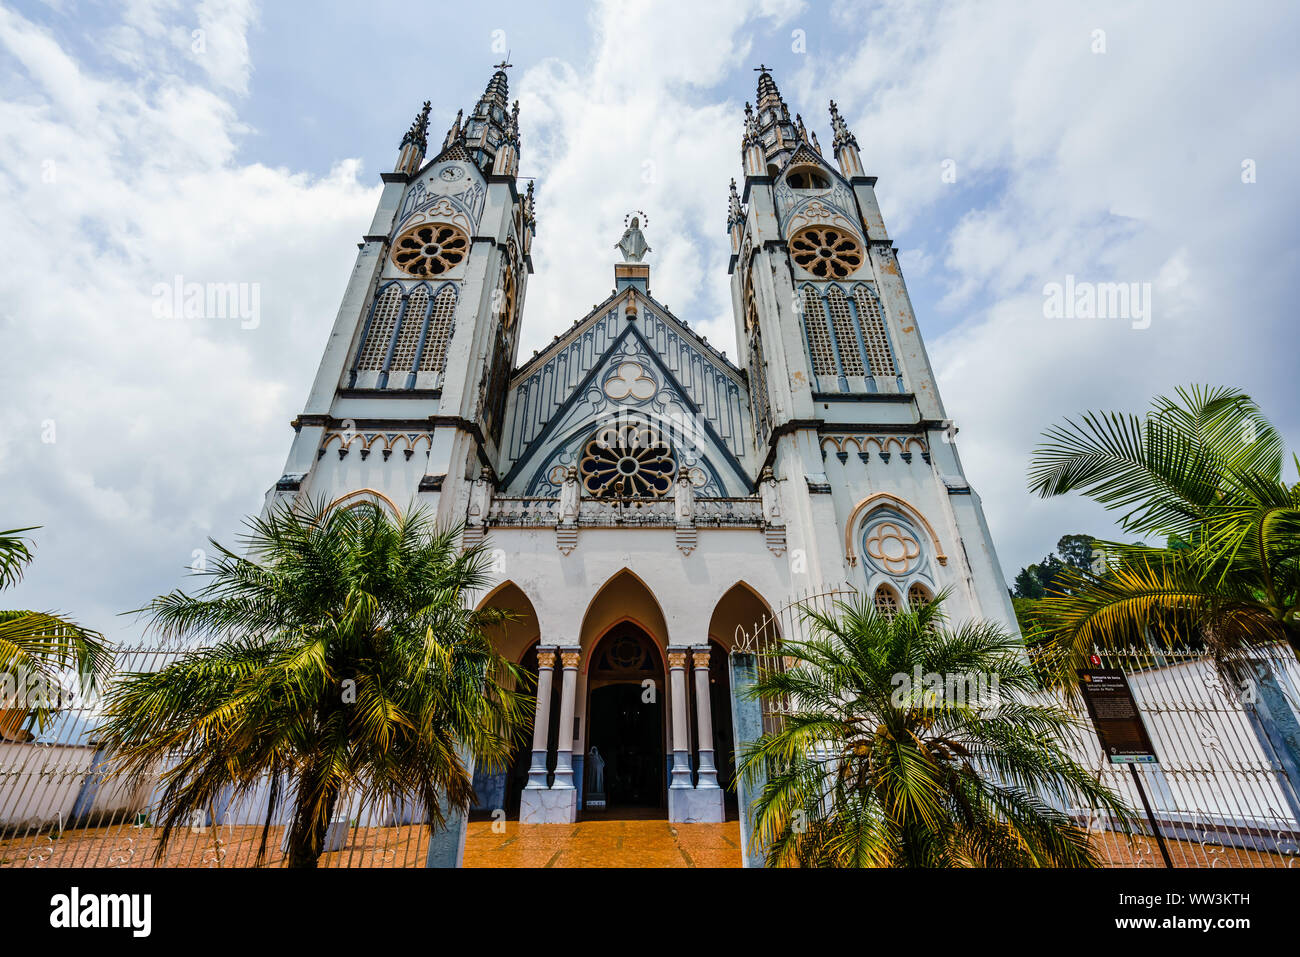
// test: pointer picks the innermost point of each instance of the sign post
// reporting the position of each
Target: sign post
(1123, 736)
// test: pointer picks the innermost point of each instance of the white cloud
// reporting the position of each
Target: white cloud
(1122, 166)
(165, 430)
(121, 174)
(638, 130)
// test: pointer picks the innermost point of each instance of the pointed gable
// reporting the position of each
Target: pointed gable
(649, 366)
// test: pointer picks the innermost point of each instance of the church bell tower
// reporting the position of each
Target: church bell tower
(846, 412)
(408, 402)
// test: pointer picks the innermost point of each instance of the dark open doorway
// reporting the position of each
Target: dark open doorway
(625, 724)
(628, 734)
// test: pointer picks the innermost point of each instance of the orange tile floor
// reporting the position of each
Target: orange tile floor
(603, 842)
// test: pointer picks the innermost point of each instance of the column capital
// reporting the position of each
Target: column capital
(700, 656)
(545, 656)
(570, 655)
(677, 656)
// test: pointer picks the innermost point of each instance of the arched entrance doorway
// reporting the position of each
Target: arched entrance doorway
(516, 640)
(625, 748)
(740, 606)
(517, 774)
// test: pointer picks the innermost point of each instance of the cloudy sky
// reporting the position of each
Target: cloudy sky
(222, 141)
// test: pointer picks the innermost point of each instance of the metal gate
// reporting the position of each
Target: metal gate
(1226, 792)
(1220, 794)
(59, 806)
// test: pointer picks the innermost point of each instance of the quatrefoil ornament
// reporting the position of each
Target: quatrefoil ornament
(892, 547)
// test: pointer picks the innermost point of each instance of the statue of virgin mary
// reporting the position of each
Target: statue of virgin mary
(633, 244)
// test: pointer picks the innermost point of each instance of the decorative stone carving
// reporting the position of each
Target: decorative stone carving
(628, 460)
(684, 497)
(430, 249)
(700, 657)
(827, 252)
(569, 497)
(771, 498)
(480, 495)
(676, 659)
(892, 547)
(630, 381)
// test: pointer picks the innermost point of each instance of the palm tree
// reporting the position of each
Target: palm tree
(342, 662)
(872, 767)
(38, 648)
(1204, 472)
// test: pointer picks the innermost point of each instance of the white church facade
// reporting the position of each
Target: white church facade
(643, 496)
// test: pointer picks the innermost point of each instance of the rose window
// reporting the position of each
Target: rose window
(892, 547)
(430, 249)
(826, 251)
(629, 460)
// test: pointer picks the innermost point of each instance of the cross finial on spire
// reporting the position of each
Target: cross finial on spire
(504, 64)
(762, 68)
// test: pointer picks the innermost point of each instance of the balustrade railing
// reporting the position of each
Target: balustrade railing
(539, 512)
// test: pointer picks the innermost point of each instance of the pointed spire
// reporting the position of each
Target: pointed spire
(769, 124)
(488, 124)
(530, 209)
(735, 211)
(414, 143)
(845, 145)
(419, 131)
(842, 133)
(499, 85)
(750, 135)
(767, 90)
(453, 131)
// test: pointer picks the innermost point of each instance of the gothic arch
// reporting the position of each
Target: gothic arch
(623, 597)
(365, 495)
(739, 606)
(870, 504)
(512, 639)
(516, 641)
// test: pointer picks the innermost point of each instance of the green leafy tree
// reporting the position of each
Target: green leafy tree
(1077, 550)
(1204, 471)
(868, 770)
(1027, 585)
(341, 660)
(1051, 574)
(39, 649)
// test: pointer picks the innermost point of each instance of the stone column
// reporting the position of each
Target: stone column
(704, 718)
(542, 717)
(681, 777)
(568, 692)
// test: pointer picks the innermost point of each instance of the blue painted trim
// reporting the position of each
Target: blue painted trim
(424, 332)
(392, 341)
(862, 343)
(685, 396)
(579, 392)
(365, 329)
(884, 327)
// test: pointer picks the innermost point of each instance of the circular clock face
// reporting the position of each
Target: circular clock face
(449, 174)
